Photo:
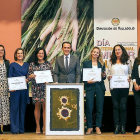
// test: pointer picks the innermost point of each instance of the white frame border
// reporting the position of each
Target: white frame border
(80, 86)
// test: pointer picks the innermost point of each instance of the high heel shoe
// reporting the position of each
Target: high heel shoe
(43, 130)
(98, 131)
(135, 133)
(89, 131)
(1, 132)
(38, 132)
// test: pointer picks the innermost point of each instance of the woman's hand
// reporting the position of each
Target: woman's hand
(139, 87)
(136, 87)
(13, 90)
(109, 77)
(129, 79)
(27, 80)
(103, 74)
(91, 81)
(32, 76)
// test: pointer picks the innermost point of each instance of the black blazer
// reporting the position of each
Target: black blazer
(88, 64)
(7, 66)
(135, 74)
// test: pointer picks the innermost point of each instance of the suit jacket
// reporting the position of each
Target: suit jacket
(88, 64)
(73, 75)
(7, 66)
(135, 74)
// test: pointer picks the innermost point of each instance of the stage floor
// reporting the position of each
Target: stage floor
(103, 136)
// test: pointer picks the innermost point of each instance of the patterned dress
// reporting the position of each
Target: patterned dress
(38, 90)
(4, 98)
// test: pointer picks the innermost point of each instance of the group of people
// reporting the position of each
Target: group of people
(14, 114)
(119, 64)
(67, 70)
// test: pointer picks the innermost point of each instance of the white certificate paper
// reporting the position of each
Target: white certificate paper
(89, 73)
(43, 76)
(119, 81)
(17, 83)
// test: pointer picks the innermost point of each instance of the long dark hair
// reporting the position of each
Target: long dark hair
(36, 58)
(4, 52)
(124, 57)
(138, 57)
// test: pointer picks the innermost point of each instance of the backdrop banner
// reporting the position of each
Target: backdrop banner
(115, 22)
(48, 23)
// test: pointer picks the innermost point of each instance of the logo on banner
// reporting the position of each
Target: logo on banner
(115, 21)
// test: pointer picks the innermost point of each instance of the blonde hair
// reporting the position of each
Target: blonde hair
(100, 58)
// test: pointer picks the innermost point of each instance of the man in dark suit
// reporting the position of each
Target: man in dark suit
(67, 67)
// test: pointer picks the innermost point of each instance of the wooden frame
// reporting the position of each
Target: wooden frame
(65, 109)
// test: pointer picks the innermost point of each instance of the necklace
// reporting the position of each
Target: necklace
(94, 64)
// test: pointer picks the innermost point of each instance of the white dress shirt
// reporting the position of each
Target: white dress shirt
(94, 67)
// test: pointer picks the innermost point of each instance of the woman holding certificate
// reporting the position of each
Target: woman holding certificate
(18, 98)
(39, 89)
(4, 98)
(136, 89)
(93, 88)
(119, 71)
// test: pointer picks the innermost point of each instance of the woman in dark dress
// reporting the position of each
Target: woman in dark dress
(4, 98)
(18, 98)
(136, 89)
(39, 90)
(95, 88)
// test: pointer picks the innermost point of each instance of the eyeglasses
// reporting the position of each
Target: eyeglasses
(1, 50)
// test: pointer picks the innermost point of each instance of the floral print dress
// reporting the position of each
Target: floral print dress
(38, 90)
(4, 98)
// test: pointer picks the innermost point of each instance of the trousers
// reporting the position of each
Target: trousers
(18, 103)
(90, 94)
(119, 100)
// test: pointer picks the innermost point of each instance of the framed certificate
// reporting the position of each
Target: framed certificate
(17, 83)
(65, 109)
(43, 76)
(119, 81)
(89, 73)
